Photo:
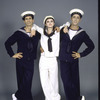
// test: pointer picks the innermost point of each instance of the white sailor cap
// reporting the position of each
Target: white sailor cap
(47, 17)
(27, 12)
(76, 11)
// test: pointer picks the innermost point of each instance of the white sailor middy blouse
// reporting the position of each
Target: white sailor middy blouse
(55, 41)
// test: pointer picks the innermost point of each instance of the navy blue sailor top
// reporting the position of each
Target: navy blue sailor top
(25, 44)
(67, 46)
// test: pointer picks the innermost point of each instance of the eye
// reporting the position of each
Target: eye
(51, 20)
(47, 21)
(78, 17)
(74, 17)
(25, 18)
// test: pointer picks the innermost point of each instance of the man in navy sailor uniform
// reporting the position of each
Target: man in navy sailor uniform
(69, 56)
(25, 56)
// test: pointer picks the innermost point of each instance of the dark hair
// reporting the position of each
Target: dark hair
(23, 18)
(76, 13)
(45, 27)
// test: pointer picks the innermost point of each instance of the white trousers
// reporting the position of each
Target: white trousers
(48, 68)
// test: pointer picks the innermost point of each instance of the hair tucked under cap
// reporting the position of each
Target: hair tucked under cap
(27, 13)
(76, 11)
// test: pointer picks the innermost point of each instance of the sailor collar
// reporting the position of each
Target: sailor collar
(78, 31)
(22, 30)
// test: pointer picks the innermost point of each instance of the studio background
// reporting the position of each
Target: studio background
(10, 21)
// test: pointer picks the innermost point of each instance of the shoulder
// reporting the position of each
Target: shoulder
(83, 33)
(81, 30)
(38, 34)
(56, 32)
(17, 32)
(20, 30)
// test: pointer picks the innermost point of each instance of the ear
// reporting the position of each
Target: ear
(70, 18)
(24, 21)
(33, 20)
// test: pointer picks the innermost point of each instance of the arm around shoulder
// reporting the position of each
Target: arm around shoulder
(37, 28)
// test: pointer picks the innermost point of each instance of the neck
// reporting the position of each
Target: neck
(29, 26)
(74, 27)
(49, 31)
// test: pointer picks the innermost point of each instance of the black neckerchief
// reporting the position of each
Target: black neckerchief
(49, 40)
(48, 35)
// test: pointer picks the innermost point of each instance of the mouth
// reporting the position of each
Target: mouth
(28, 22)
(50, 24)
(75, 22)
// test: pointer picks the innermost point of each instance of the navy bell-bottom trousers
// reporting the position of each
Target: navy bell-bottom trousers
(24, 81)
(70, 79)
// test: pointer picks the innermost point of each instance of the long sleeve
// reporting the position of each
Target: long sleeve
(37, 28)
(10, 41)
(66, 24)
(90, 45)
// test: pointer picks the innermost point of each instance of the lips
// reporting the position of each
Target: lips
(50, 24)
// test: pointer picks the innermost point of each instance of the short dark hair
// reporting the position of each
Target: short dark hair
(23, 18)
(76, 13)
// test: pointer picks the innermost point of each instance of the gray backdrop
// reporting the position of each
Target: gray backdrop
(10, 21)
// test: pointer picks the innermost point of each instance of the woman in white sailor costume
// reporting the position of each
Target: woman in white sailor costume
(48, 65)
(69, 56)
(25, 56)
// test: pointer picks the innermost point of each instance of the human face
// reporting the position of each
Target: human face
(50, 23)
(28, 21)
(75, 19)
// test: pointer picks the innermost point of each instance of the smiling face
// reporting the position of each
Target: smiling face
(75, 19)
(50, 23)
(28, 21)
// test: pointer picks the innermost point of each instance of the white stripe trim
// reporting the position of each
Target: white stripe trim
(22, 30)
(79, 31)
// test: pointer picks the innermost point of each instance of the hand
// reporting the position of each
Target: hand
(41, 49)
(65, 30)
(57, 29)
(18, 55)
(33, 32)
(75, 55)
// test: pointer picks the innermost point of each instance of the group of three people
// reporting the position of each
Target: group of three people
(63, 44)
